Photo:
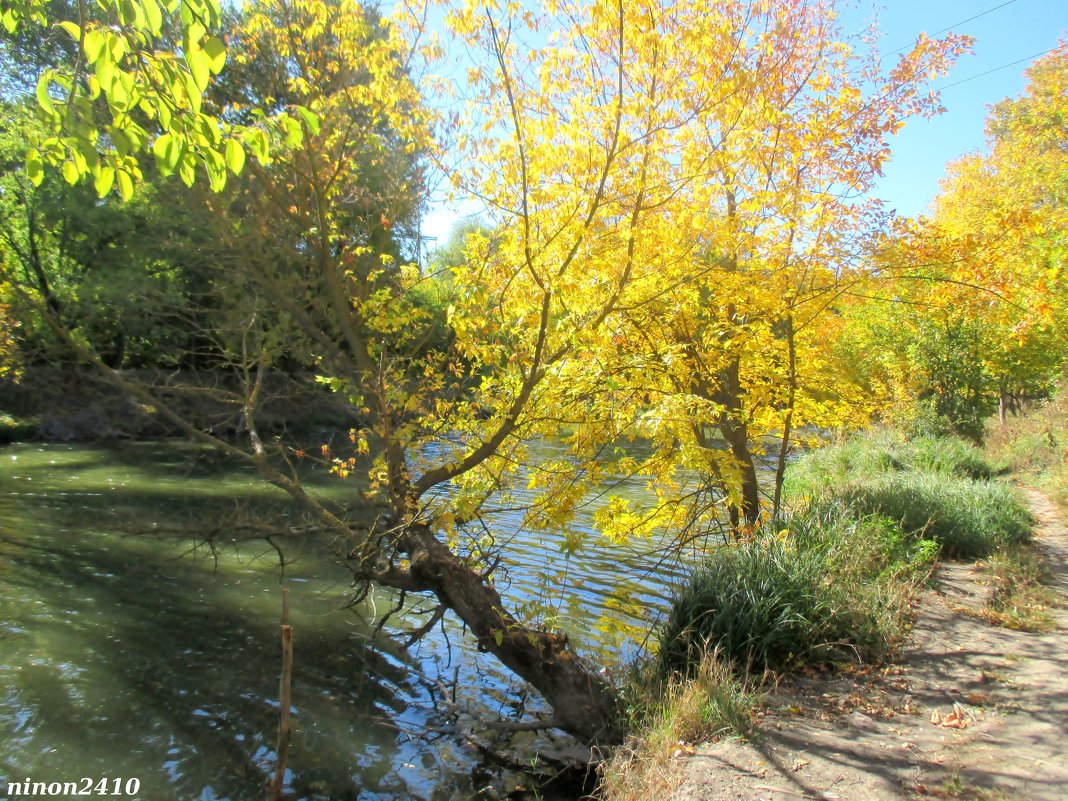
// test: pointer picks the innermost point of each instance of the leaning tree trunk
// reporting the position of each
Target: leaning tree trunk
(584, 704)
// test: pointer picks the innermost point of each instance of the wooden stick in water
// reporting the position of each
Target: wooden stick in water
(285, 731)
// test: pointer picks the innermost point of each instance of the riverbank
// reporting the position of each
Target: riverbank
(971, 710)
(55, 404)
(976, 671)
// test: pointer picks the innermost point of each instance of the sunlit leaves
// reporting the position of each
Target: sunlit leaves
(992, 259)
(147, 91)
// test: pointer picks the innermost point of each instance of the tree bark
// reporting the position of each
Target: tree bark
(584, 703)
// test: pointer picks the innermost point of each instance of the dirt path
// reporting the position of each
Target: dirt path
(871, 738)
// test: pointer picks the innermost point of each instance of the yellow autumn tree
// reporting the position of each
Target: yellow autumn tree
(980, 287)
(670, 221)
(779, 126)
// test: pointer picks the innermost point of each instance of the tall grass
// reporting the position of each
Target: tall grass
(671, 713)
(939, 487)
(880, 452)
(820, 586)
(967, 518)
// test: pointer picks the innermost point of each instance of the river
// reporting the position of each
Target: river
(130, 653)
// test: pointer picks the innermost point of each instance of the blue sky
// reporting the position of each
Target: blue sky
(1004, 31)
(1017, 30)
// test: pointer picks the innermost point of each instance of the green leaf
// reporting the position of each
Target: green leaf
(105, 70)
(216, 176)
(125, 185)
(153, 15)
(34, 166)
(70, 173)
(214, 9)
(93, 45)
(257, 142)
(121, 140)
(168, 151)
(104, 181)
(309, 119)
(294, 133)
(116, 47)
(132, 13)
(118, 97)
(193, 92)
(44, 100)
(71, 28)
(199, 67)
(194, 33)
(187, 170)
(235, 156)
(498, 637)
(216, 53)
(11, 21)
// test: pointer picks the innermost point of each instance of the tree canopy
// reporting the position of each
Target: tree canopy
(679, 250)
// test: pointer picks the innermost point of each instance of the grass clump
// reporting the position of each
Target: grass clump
(819, 587)
(966, 518)
(672, 713)
(1020, 596)
(873, 453)
(939, 486)
(949, 456)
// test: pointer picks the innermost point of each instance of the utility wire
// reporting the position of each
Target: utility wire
(955, 24)
(996, 69)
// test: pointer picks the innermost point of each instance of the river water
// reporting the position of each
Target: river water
(129, 652)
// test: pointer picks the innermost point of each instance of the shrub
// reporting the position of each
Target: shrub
(13, 429)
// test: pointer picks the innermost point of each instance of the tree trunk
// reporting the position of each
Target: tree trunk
(736, 435)
(584, 703)
(732, 423)
(784, 446)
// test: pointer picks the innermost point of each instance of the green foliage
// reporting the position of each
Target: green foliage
(819, 586)
(127, 72)
(956, 385)
(108, 269)
(14, 429)
(1035, 443)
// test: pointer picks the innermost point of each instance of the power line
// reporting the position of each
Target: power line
(996, 69)
(955, 24)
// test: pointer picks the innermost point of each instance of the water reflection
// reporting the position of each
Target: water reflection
(130, 656)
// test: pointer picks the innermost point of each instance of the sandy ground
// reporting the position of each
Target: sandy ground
(871, 737)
